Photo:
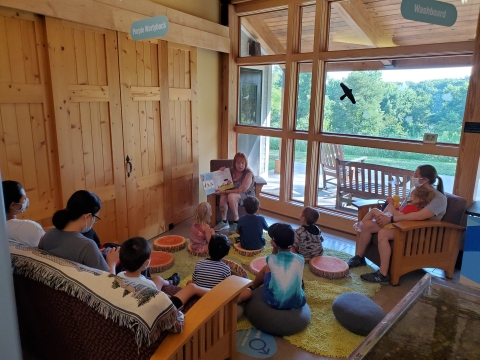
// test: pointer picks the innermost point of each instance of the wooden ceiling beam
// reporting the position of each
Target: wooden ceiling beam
(359, 19)
(255, 25)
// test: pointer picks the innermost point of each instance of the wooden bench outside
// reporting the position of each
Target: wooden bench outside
(369, 181)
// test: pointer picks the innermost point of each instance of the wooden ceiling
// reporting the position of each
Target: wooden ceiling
(357, 24)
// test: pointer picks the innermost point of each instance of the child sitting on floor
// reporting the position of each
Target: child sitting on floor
(308, 237)
(211, 271)
(418, 199)
(251, 226)
(201, 232)
(135, 257)
(282, 276)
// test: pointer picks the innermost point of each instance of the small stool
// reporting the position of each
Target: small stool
(328, 267)
(160, 261)
(235, 268)
(194, 253)
(257, 264)
(169, 243)
(238, 248)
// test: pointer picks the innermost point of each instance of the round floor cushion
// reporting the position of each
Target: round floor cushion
(273, 321)
(357, 312)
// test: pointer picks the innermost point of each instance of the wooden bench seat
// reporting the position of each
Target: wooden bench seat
(369, 181)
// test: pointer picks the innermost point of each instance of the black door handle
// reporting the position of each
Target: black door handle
(127, 159)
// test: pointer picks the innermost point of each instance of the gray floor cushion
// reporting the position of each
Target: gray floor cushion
(273, 321)
(357, 313)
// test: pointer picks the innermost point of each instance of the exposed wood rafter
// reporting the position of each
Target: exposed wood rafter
(359, 19)
(255, 25)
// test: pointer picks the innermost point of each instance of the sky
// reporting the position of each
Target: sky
(414, 75)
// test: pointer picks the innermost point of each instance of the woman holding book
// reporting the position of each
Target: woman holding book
(243, 187)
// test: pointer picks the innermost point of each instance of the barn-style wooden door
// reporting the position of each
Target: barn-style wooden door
(182, 82)
(27, 146)
(147, 197)
(86, 96)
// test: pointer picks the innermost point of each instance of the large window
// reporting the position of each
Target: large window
(401, 104)
(328, 179)
(260, 100)
(263, 153)
(356, 88)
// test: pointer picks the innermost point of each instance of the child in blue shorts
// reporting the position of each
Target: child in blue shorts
(251, 226)
(282, 276)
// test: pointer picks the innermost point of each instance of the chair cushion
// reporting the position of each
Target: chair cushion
(273, 321)
(455, 213)
(357, 313)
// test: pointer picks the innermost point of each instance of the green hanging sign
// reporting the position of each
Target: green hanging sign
(149, 28)
(429, 11)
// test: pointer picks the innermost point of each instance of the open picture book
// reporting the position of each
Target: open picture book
(220, 179)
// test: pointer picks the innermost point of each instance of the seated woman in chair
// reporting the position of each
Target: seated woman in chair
(244, 186)
(426, 176)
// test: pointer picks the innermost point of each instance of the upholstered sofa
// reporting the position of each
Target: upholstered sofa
(70, 311)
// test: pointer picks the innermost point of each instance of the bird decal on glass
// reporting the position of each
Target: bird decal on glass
(347, 93)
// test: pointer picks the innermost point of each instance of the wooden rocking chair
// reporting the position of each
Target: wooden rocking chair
(328, 155)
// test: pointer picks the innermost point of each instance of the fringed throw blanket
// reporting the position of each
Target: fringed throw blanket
(147, 312)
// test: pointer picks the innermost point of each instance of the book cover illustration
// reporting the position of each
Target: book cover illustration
(220, 179)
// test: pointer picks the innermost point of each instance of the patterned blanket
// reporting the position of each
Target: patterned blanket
(147, 312)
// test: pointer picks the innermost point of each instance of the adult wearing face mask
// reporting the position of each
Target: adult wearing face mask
(15, 200)
(425, 176)
(67, 241)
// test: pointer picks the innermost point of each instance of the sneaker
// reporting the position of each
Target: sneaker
(356, 261)
(233, 229)
(174, 279)
(376, 278)
(222, 225)
(358, 226)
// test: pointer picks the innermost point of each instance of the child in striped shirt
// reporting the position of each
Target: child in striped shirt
(211, 271)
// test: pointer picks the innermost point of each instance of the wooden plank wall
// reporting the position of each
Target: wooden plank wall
(86, 96)
(27, 149)
(182, 64)
(139, 76)
(67, 96)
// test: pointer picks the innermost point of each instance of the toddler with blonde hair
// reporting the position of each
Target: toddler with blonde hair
(201, 232)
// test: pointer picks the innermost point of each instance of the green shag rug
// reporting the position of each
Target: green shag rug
(324, 335)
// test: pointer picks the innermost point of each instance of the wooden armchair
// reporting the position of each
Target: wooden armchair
(213, 199)
(210, 329)
(421, 244)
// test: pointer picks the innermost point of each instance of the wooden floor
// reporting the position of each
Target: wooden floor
(386, 298)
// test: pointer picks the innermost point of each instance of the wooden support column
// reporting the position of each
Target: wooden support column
(320, 44)
(468, 164)
(289, 101)
(228, 142)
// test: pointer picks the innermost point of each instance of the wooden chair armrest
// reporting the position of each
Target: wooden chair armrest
(219, 296)
(260, 180)
(362, 203)
(418, 224)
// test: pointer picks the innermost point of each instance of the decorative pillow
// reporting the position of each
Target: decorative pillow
(357, 313)
(146, 311)
(273, 321)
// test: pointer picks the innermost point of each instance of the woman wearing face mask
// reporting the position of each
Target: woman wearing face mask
(16, 202)
(67, 241)
(425, 176)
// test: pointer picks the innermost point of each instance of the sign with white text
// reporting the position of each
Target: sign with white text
(149, 28)
(429, 11)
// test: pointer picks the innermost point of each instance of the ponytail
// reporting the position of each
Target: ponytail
(60, 219)
(440, 184)
(80, 203)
